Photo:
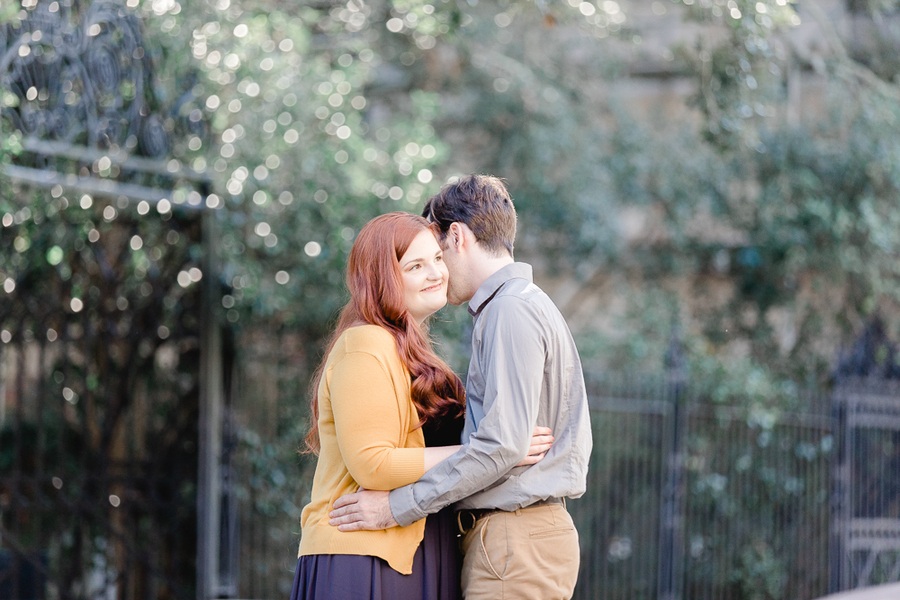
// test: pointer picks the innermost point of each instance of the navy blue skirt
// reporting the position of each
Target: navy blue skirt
(435, 572)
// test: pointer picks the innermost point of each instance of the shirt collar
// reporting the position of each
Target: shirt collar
(492, 285)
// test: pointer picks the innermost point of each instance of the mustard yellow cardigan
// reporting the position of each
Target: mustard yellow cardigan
(369, 439)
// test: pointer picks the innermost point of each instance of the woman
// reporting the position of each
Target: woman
(386, 409)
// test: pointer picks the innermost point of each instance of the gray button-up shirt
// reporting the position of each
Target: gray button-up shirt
(524, 371)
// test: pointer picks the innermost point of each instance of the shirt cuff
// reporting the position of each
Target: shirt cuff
(404, 507)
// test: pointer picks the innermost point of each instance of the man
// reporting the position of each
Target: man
(519, 540)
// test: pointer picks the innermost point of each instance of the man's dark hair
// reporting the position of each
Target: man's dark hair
(482, 203)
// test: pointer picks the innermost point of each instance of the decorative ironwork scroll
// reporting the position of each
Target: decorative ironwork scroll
(79, 73)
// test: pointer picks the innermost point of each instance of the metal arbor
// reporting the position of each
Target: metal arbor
(109, 352)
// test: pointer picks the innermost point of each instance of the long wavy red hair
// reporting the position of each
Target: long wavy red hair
(376, 297)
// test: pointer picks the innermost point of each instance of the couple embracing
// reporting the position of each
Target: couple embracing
(425, 488)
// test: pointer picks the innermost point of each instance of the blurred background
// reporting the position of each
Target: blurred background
(709, 190)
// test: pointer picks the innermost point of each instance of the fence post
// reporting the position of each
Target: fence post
(671, 535)
(209, 484)
(840, 506)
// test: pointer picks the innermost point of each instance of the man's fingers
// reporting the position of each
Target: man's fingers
(345, 506)
(346, 500)
(539, 430)
(338, 513)
(364, 510)
(342, 519)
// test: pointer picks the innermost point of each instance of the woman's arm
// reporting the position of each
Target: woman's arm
(541, 440)
(436, 454)
(371, 421)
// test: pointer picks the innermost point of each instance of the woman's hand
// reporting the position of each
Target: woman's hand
(541, 440)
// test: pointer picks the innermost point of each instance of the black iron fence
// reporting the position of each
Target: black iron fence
(690, 499)
(865, 524)
(97, 498)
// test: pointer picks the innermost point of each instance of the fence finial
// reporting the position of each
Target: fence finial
(872, 355)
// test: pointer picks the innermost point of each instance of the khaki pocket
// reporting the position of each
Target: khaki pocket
(494, 546)
(552, 532)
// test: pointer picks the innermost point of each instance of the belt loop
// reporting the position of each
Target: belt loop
(463, 530)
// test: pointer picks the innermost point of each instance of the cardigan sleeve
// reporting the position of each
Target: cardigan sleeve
(371, 423)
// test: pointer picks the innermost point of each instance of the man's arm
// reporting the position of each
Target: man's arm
(504, 380)
(510, 359)
(371, 509)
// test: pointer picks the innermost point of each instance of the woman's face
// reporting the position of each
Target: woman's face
(424, 277)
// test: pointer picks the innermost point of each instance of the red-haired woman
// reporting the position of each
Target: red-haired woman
(386, 408)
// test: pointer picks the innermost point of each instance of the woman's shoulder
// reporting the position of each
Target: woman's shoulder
(366, 338)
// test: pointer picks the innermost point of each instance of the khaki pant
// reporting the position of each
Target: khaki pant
(531, 553)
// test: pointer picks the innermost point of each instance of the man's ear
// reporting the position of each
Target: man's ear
(459, 235)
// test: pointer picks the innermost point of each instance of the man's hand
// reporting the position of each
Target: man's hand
(364, 510)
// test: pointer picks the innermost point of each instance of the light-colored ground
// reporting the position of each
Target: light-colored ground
(889, 591)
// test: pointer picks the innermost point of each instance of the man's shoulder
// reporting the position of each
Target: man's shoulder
(520, 286)
(519, 290)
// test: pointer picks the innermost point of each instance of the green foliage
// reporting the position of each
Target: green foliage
(272, 482)
(531, 121)
(741, 76)
(108, 301)
(307, 149)
(323, 115)
(795, 218)
(117, 285)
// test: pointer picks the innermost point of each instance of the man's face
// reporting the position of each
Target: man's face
(457, 287)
